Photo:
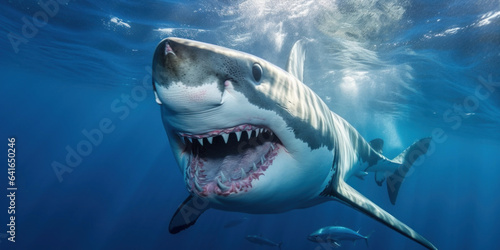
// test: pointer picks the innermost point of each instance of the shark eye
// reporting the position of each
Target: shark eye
(257, 72)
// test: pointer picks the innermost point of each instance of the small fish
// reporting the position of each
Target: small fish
(257, 239)
(334, 234)
(236, 222)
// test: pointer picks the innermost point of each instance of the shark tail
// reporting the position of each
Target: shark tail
(405, 160)
(279, 245)
(395, 170)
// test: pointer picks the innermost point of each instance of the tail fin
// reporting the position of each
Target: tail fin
(406, 159)
(279, 245)
(367, 237)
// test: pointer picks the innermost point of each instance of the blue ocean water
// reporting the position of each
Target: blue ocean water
(397, 70)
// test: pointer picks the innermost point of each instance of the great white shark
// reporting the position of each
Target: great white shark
(250, 137)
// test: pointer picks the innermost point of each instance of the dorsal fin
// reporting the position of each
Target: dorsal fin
(295, 64)
(377, 145)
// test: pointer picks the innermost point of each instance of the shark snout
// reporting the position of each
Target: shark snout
(181, 99)
(184, 77)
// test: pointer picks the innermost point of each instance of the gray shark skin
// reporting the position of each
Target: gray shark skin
(250, 137)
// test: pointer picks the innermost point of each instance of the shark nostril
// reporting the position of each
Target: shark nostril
(168, 49)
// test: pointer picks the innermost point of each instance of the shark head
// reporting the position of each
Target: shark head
(239, 133)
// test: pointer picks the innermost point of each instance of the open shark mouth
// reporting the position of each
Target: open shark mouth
(226, 161)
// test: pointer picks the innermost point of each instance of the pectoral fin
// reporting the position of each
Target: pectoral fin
(187, 213)
(335, 244)
(348, 195)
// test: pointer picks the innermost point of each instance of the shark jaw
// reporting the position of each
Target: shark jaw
(227, 161)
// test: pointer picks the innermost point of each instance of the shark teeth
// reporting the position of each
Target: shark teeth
(224, 182)
(225, 134)
(238, 135)
(223, 177)
(225, 137)
(197, 186)
(222, 187)
(247, 150)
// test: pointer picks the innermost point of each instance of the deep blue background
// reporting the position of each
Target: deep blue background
(400, 82)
